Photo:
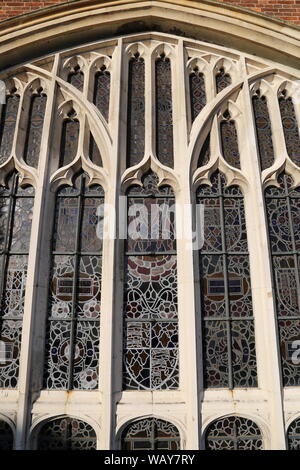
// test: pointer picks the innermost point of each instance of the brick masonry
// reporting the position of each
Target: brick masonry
(288, 10)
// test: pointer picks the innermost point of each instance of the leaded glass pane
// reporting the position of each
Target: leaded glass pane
(16, 208)
(283, 213)
(233, 433)
(67, 434)
(229, 141)
(76, 78)
(7, 125)
(150, 291)
(293, 435)
(102, 91)
(151, 434)
(263, 131)
(35, 129)
(223, 80)
(136, 111)
(164, 111)
(290, 127)
(197, 92)
(73, 331)
(94, 152)
(204, 153)
(6, 436)
(229, 346)
(69, 141)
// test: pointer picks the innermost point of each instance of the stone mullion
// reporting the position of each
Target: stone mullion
(267, 348)
(187, 324)
(110, 346)
(30, 306)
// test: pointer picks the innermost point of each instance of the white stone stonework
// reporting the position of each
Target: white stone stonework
(191, 408)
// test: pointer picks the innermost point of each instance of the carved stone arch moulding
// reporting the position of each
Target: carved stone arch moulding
(167, 176)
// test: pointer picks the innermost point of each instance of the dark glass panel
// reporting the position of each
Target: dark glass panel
(76, 78)
(35, 129)
(229, 141)
(136, 111)
(7, 126)
(69, 141)
(102, 91)
(223, 80)
(263, 131)
(290, 127)
(94, 152)
(164, 111)
(197, 92)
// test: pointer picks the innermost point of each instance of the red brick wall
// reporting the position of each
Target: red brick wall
(287, 9)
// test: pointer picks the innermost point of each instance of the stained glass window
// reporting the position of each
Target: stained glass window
(223, 80)
(233, 433)
(69, 139)
(94, 152)
(102, 91)
(293, 435)
(35, 129)
(151, 434)
(76, 78)
(150, 299)
(73, 330)
(8, 121)
(290, 127)
(228, 327)
(164, 111)
(6, 436)
(16, 206)
(197, 92)
(204, 153)
(263, 130)
(68, 434)
(283, 212)
(136, 111)
(229, 141)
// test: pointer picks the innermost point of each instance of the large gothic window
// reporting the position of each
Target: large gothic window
(228, 328)
(293, 435)
(150, 298)
(73, 329)
(151, 434)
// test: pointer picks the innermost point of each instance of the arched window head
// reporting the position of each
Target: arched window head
(151, 434)
(150, 290)
(283, 214)
(16, 207)
(73, 330)
(293, 435)
(67, 434)
(233, 433)
(6, 436)
(228, 329)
